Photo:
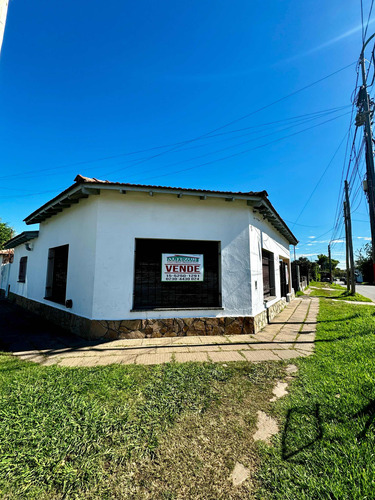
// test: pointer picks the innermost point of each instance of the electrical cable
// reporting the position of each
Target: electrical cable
(321, 177)
(131, 153)
(340, 192)
(224, 149)
(243, 152)
(368, 19)
(252, 112)
(363, 32)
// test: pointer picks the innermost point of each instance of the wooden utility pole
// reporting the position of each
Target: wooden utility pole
(347, 250)
(364, 118)
(349, 239)
(330, 263)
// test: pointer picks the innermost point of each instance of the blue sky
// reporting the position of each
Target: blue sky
(85, 86)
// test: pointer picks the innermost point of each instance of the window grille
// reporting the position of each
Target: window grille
(268, 266)
(151, 292)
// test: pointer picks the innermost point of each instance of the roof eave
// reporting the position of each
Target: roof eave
(269, 213)
(20, 239)
(82, 190)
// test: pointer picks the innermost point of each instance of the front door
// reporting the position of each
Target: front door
(283, 278)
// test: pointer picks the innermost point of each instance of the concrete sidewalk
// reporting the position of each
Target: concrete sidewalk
(290, 335)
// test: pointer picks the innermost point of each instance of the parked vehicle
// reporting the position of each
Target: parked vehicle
(325, 278)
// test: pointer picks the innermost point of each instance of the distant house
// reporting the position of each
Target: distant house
(6, 259)
(118, 260)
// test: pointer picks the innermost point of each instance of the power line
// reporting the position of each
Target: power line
(368, 19)
(302, 225)
(321, 177)
(207, 134)
(245, 151)
(299, 122)
(363, 32)
(252, 112)
(340, 197)
(226, 148)
(176, 145)
(132, 153)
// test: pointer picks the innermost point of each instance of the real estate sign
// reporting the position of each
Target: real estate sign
(181, 267)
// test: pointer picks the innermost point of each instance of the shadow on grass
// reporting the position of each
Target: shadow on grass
(304, 427)
(367, 410)
(289, 446)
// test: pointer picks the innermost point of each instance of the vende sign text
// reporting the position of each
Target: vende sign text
(181, 267)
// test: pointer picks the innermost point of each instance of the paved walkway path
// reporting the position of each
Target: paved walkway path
(290, 335)
(355, 302)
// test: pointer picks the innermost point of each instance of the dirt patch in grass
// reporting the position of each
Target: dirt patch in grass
(167, 431)
(196, 458)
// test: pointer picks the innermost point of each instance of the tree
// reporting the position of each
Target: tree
(307, 268)
(364, 262)
(323, 262)
(6, 233)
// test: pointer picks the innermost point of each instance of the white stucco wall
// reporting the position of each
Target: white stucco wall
(4, 275)
(264, 236)
(123, 218)
(77, 227)
(101, 233)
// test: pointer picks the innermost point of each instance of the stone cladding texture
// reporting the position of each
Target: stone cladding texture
(148, 328)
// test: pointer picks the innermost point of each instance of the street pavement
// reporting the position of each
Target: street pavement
(291, 334)
(366, 290)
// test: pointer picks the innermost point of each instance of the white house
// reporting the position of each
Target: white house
(6, 259)
(118, 260)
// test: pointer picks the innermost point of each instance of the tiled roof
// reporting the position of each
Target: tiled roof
(80, 179)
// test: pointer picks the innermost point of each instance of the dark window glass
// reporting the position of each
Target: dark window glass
(151, 292)
(268, 274)
(57, 273)
(22, 270)
(283, 278)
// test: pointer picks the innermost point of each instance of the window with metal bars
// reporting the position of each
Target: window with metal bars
(150, 292)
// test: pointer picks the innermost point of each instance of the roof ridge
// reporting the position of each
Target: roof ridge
(81, 179)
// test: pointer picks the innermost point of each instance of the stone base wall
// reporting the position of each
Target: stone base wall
(276, 308)
(260, 321)
(149, 328)
(173, 327)
(137, 328)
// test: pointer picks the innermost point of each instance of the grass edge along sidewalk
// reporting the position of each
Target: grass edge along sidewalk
(326, 446)
(106, 431)
(334, 291)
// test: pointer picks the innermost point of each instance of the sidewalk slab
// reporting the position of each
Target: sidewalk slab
(226, 356)
(289, 335)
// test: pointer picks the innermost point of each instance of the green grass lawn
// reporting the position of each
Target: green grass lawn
(334, 291)
(175, 431)
(332, 286)
(326, 448)
(111, 432)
